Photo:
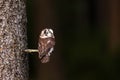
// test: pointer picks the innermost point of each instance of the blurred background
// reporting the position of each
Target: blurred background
(87, 39)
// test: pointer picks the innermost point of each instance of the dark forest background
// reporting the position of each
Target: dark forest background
(87, 39)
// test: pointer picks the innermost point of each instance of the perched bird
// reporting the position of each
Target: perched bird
(46, 44)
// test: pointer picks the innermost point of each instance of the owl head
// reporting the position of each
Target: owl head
(46, 33)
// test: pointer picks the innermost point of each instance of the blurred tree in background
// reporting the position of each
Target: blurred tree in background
(87, 39)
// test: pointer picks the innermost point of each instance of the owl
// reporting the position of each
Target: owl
(46, 44)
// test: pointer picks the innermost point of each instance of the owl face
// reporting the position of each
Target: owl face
(46, 33)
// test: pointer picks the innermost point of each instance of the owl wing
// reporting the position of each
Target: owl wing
(41, 48)
(50, 46)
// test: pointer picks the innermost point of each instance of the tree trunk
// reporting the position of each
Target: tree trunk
(13, 61)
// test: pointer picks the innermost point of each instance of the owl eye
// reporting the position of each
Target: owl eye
(45, 32)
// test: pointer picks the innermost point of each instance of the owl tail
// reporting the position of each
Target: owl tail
(45, 59)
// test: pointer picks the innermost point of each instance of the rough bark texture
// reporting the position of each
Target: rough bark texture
(13, 61)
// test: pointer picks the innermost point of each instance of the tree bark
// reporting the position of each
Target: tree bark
(13, 61)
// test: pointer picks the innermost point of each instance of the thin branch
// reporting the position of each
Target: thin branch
(31, 50)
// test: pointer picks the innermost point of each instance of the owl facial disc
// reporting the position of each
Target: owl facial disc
(46, 33)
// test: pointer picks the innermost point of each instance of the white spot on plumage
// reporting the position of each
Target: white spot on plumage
(51, 50)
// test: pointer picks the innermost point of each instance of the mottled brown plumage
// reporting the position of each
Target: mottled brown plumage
(46, 44)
